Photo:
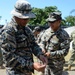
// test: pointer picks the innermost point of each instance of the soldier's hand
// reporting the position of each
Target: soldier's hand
(47, 54)
(39, 67)
(43, 51)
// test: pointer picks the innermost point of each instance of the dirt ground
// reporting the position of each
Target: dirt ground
(2, 71)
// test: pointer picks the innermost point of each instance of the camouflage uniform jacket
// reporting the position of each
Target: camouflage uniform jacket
(57, 43)
(17, 45)
(73, 39)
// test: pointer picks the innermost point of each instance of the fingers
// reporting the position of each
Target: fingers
(47, 54)
(42, 68)
(39, 67)
(43, 51)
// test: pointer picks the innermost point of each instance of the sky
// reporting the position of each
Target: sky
(65, 6)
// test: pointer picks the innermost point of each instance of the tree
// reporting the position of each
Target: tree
(70, 20)
(41, 15)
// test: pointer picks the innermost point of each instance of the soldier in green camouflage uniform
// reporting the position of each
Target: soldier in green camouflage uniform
(18, 43)
(56, 43)
(37, 30)
(72, 58)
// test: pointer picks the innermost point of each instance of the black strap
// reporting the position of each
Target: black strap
(50, 38)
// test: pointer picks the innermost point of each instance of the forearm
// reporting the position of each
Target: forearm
(59, 53)
(37, 50)
(63, 50)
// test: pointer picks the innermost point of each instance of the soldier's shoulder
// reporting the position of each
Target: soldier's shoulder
(28, 30)
(8, 28)
(47, 31)
(64, 34)
(73, 32)
(46, 34)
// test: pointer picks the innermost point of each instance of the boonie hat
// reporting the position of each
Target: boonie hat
(22, 9)
(54, 16)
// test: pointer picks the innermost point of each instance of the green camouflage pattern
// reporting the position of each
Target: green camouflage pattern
(72, 58)
(57, 43)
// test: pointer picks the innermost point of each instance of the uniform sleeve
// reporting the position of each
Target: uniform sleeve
(36, 49)
(71, 36)
(73, 39)
(8, 47)
(64, 47)
(43, 42)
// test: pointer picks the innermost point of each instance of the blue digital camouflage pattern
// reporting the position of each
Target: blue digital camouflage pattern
(1, 56)
(17, 45)
(57, 43)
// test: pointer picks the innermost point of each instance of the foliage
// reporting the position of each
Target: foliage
(41, 15)
(70, 20)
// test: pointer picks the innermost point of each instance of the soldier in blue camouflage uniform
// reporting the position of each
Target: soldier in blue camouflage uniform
(1, 57)
(18, 43)
(56, 43)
